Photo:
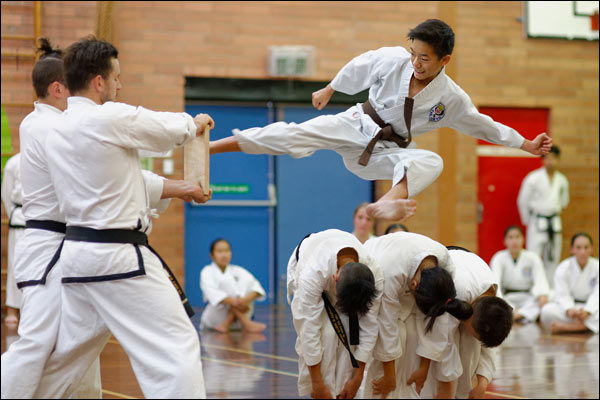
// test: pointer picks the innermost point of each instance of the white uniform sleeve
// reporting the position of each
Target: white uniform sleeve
(591, 305)
(154, 188)
(140, 128)
(369, 328)
(251, 284)
(523, 199)
(307, 308)
(480, 126)
(210, 289)
(487, 363)
(497, 269)
(362, 71)
(441, 343)
(388, 346)
(562, 293)
(540, 282)
(8, 183)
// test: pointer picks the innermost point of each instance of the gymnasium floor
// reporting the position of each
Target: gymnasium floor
(531, 363)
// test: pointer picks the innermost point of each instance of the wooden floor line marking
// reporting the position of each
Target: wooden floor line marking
(256, 353)
(234, 364)
(565, 338)
(508, 396)
(544, 366)
(123, 396)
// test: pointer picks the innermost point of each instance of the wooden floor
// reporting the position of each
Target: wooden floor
(531, 364)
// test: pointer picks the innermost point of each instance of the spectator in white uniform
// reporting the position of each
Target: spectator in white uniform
(409, 95)
(574, 307)
(12, 199)
(521, 277)
(543, 195)
(230, 292)
(336, 288)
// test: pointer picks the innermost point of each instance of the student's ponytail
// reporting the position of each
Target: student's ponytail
(436, 295)
(46, 49)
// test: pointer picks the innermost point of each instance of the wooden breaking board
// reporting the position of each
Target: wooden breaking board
(196, 156)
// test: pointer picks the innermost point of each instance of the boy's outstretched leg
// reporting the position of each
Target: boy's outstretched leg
(394, 205)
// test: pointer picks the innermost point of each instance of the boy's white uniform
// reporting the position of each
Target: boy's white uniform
(387, 73)
(13, 200)
(95, 169)
(523, 281)
(317, 341)
(540, 202)
(574, 288)
(402, 326)
(216, 285)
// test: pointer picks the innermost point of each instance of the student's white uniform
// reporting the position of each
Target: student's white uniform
(574, 288)
(402, 326)
(216, 285)
(317, 341)
(13, 200)
(472, 279)
(95, 169)
(23, 363)
(540, 202)
(523, 281)
(387, 73)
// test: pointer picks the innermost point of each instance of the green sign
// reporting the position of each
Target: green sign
(233, 188)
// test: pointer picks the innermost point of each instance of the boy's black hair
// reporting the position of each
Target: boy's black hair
(435, 33)
(355, 289)
(395, 226)
(436, 294)
(554, 150)
(86, 59)
(492, 320)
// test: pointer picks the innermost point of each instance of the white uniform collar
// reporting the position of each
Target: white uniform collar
(433, 86)
(41, 107)
(76, 100)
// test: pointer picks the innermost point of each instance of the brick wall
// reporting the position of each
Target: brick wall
(162, 42)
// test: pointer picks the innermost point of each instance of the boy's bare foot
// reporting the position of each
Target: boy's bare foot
(255, 327)
(395, 210)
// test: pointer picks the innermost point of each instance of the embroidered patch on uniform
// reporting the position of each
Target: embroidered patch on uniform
(437, 112)
(356, 115)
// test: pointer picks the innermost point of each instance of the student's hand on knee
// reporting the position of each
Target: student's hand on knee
(542, 300)
(572, 313)
(384, 385)
(418, 378)
(350, 388)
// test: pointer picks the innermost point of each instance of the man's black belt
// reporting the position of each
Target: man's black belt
(10, 223)
(386, 132)
(46, 225)
(550, 230)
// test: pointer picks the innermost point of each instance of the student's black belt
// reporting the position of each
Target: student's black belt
(338, 327)
(46, 225)
(386, 132)
(10, 223)
(550, 230)
(507, 291)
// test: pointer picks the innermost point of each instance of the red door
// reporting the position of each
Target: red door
(501, 171)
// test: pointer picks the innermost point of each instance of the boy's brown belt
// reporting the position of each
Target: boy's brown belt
(386, 132)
